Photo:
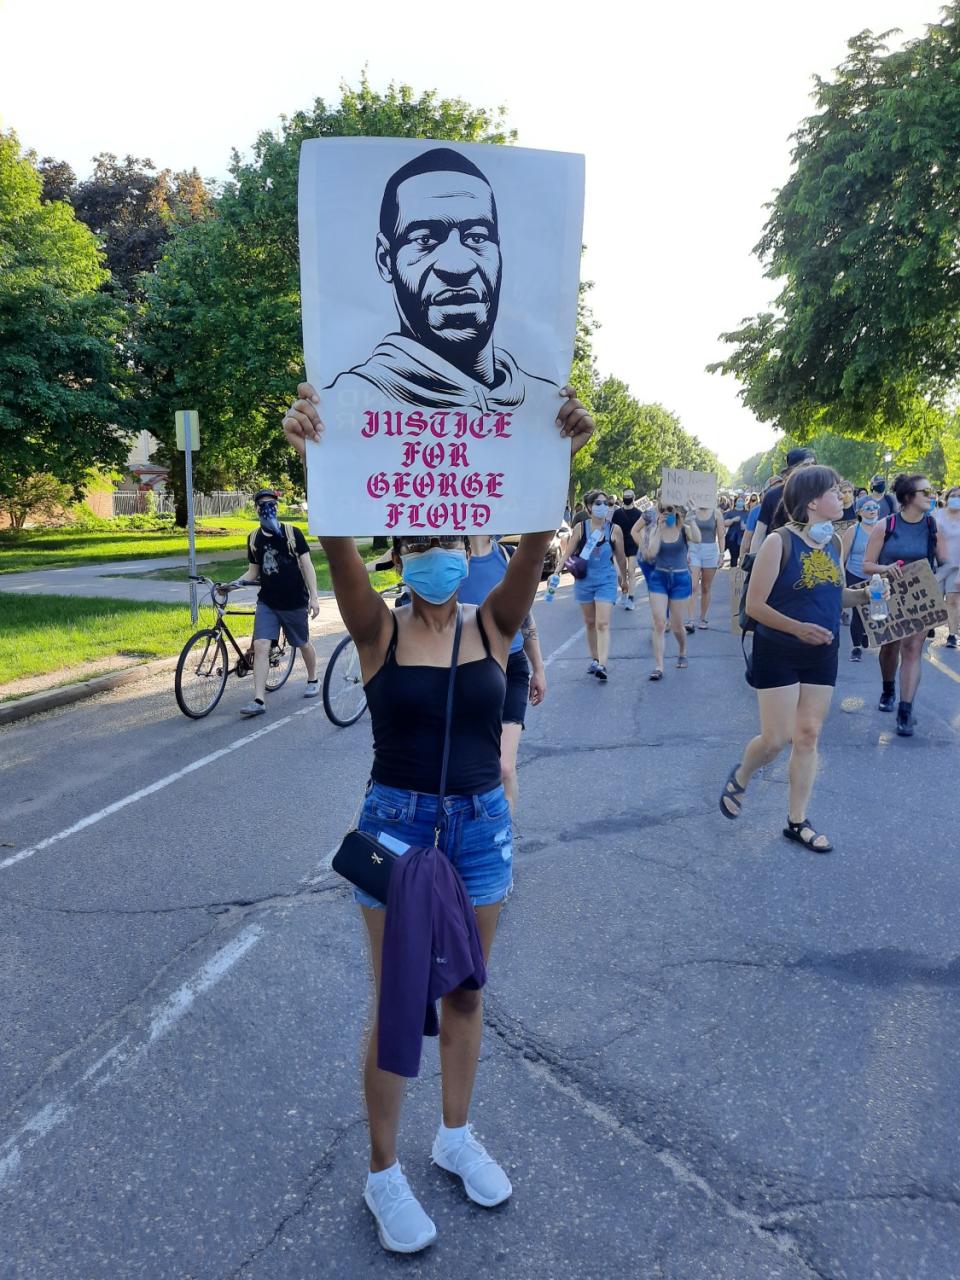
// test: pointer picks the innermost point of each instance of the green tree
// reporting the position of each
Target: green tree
(864, 237)
(61, 381)
(221, 331)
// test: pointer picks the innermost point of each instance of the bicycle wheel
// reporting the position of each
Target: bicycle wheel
(344, 699)
(201, 674)
(283, 654)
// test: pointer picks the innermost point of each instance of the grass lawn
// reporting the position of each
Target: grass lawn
(39, 634)
(63, 549)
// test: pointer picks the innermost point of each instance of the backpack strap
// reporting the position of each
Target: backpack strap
(891, 524)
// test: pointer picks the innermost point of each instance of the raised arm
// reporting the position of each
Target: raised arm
(364, 613)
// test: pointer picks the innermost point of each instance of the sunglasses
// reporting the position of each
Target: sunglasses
(413, 545)
(927, 493)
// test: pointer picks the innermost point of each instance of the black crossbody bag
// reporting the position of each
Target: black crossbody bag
(361, 858)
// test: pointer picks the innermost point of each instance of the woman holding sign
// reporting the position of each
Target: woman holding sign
(405, 658)
(796, 594)
(911, 534)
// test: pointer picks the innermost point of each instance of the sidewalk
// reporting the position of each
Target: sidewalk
(103, 580)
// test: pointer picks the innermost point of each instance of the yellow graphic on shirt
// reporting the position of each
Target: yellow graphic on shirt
(817, 569)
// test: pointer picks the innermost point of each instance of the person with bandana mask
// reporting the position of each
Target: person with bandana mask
(795, 596)
(600, 542)
(405, 657)
(288, 589)
(854, 544)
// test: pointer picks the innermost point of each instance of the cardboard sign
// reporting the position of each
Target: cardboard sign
(688, 488)
(915, 604)
(439, 292)
(644, 504)
(736, 591)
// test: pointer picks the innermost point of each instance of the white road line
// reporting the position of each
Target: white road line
(154, 787)
(124, 1054)
(564, 647)
(935, 661)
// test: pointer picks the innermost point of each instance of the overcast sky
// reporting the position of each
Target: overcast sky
(684, 113)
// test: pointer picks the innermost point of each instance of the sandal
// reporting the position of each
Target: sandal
(732, 795)
(656, 674)
(682, 663)
(689, 628)
(703, 624)
(795, 830)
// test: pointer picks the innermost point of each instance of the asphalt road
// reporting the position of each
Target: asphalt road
(708, 1055)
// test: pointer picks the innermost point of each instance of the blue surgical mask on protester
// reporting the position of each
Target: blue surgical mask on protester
(821, 532)
(435, 575)
(600, 510)
(954, 503)
(933, 504)
(670, 519)
(268, 517)
(739, 506)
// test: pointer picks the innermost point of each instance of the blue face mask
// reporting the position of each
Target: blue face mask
(670, 519)
(600, 510)
(268, 517)
(933, 504)
(434, 575)
(954, 503)
(821, 532)
(739, 506)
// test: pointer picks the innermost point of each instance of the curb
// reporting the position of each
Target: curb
(33, 704)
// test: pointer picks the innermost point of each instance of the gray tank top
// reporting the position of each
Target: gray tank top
(708, 527)
(672, 556)
(909, 541)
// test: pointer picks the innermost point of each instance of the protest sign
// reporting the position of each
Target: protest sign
(736, 591)
(688, 488)
(644, 504)
(916, 605)
(439, 289)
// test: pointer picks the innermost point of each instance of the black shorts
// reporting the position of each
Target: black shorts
(779, 663)
(518, 688)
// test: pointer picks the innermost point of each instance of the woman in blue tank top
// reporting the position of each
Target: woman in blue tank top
(854, 545)
(795, 597)
(405, 659)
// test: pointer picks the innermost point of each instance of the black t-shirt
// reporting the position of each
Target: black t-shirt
(281, 582)
(626, 518)
(768, 508)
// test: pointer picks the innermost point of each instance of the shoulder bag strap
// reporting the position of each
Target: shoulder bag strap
(446, 727)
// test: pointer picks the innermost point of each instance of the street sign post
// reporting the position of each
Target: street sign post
(188, 438)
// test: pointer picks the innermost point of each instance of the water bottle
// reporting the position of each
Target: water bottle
(552, 583)
(879, 609)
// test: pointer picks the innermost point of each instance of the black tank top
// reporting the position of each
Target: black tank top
(408, 710)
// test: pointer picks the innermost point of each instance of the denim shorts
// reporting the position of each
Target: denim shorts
(476, 835)
(595, 587)
(675, 584)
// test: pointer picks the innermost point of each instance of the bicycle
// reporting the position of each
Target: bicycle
(344, 697)
(203, 665)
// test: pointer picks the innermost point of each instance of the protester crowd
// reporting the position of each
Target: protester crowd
(449, 675)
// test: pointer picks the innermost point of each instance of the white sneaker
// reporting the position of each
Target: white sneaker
(312, 689)
(402, 1225)
(483, 1179)
(629, 605)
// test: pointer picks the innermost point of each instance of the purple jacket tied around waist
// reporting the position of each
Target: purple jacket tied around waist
(430, 946)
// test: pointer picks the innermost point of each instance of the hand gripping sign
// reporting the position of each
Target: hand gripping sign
(439, 286)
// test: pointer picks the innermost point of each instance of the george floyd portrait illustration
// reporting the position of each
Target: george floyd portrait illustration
(439, 290)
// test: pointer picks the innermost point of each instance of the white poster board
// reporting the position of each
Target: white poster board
(688, 488)
(439, 285)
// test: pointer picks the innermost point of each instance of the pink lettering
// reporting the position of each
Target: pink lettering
(401, 484)
(458, 455)
(459, 425)
(438, 424)
(433, 456)
(448, 483)
(423, 484)
(495, 484)
(415, 511)
(410, 451)
(373, 424)
(479, 513)
(394, 423)
(500, 424)
(477, 428)
(437, 515)
(458, 514)
(471, 486)
(416, 423)
(378, 486)
(394, 512)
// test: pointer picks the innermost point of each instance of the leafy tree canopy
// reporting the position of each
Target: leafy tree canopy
(61, 382)
(864, 237)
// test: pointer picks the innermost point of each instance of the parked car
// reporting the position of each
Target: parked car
(554, 556)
